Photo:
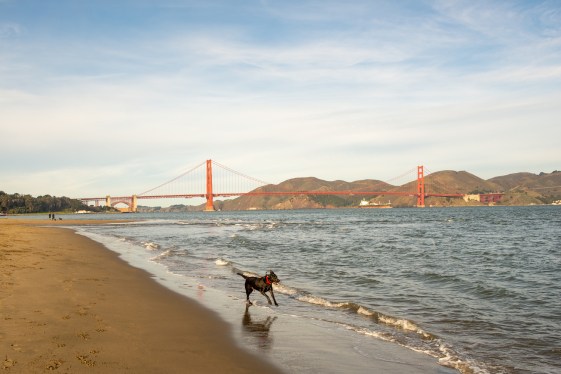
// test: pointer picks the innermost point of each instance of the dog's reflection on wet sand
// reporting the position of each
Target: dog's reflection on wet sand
(258, 329)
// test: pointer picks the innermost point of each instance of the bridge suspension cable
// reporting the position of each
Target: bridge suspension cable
(240, 174)
(411, 173)
(174, 179)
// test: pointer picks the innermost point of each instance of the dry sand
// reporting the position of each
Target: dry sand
(70, 305)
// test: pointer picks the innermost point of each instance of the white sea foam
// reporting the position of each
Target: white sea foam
(451, 359)
(161, 255)
(281, 288)
(139, 223)
(150, 246)
(402, 324)
(364, 311)
(374, 334)
(446, 357)
(221, 262)
(320, 301)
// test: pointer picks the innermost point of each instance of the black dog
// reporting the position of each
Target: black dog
(261, 284)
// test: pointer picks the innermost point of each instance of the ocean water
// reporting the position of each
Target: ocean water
(478, 289)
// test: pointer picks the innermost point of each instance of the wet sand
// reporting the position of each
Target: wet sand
(70, 305)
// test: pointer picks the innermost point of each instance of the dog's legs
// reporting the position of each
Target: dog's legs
(248, 291)
(264, 294)
(273, 295)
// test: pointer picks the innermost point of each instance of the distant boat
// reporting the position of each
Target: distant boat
(367, 204)
(3, 215)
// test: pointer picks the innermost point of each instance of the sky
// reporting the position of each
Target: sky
(116, 97)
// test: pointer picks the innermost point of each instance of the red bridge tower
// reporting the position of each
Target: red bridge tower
(420, 186)
(209, 196)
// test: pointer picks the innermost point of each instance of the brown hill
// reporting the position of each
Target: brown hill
(518, 189)
(306, 201)
(510, 181)
(441, 182)
(547, 184)
(528, 188)
(447, 181)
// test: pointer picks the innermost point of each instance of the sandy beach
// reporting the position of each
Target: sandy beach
(70, 305)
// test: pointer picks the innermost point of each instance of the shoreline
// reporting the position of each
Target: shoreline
(266, 339)
(69, 304)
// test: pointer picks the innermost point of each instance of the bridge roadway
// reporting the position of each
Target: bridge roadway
(275, 193)
(131, 201)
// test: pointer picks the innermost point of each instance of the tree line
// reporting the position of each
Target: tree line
(20, 204)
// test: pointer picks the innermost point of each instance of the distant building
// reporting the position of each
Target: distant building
(490, 198)
(485, 198)
(472, 197)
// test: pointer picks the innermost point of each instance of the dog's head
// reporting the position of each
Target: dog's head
(273, 277)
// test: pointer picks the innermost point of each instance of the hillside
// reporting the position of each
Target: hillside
(510, 181)
(528, 188)
(518, 189)
(547, 184)
(447, 181)
(304, 201)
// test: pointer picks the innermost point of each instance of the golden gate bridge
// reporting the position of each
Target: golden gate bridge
(211, 179)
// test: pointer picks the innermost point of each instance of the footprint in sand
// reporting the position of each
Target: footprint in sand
(54, 364)
(82, 310)
(86, 360)
(8, 363)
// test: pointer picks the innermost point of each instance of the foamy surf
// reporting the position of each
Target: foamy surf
(378, 317)
(150, 246)
(162, 255)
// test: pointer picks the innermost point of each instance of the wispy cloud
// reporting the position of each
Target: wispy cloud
(9, 29)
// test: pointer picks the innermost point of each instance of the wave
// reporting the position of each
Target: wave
(364, 311)
(221, 262)
(244, 224)
(164, 254)
(247, 225)
(438, 349)
(390, 328)
(151, 246)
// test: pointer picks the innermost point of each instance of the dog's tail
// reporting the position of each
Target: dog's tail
(245, 276)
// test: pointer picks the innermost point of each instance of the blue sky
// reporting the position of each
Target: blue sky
(116, 97)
